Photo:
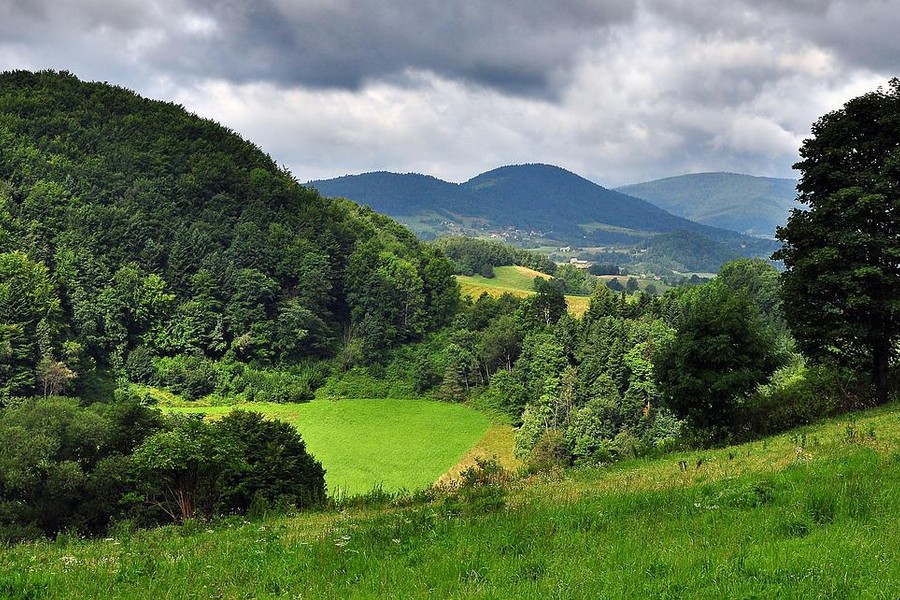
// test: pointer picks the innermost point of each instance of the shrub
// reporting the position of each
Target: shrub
(800, 394)
(549, 453)
(481, 489)
(274, 467)
(201, 469)
(139, 366)
(188, 375)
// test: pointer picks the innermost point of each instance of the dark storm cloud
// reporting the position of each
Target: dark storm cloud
(519, 46)
(516, 46)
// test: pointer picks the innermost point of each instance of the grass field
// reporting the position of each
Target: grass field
(497, 444)
(518, 281)
(396, 444)
(808, 514)
(515, 280)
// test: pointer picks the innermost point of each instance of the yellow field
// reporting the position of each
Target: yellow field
(518, 281)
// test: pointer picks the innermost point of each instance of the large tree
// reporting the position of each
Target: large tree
(841, 286)
(720, 352)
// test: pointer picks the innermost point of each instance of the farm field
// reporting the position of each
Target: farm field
(518, 281)
(364, 443)
(806, 514)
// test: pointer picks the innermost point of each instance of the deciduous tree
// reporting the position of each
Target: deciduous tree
(841, 287)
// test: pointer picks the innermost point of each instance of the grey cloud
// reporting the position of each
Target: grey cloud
(619, 90)
(519, 47)
(861, 33)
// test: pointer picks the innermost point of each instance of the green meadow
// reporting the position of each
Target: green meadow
(387, 443)
(807, 514)
(518, 281)
(511, 279)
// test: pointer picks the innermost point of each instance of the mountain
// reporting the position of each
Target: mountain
(552, 199)
(743, 203)
(392, 193)
(533, 204)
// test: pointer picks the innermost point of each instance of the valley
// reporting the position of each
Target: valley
(807, 512)
(218, 382)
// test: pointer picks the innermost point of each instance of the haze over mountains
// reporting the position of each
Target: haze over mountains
(539, 204)
(744, 203)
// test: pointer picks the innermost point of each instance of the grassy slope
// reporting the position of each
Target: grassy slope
(397, 444)
(518, 281)
(497, 443)
(808, 514)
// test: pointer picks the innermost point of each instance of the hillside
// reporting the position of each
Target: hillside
(515, 280)
(807, 514)
(142, 232)
(531, 205)
(743, 203)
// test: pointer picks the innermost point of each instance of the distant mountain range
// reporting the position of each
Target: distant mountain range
(542, 205)
(743, 203)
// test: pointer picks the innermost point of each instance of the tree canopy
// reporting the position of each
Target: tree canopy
(841, 286)
(127, 223)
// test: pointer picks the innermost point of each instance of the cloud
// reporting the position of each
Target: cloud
(619, 91)
(518, 48)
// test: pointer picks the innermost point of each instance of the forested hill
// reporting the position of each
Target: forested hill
(551, 198)
(548, 203)
(131, 224)
(744, 203)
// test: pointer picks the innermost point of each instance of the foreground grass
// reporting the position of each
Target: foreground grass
(388, 443)
(809, 514)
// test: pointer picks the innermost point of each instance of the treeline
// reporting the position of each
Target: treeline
(472, 256)
(132, 231)
(637, 374)
(83, 469)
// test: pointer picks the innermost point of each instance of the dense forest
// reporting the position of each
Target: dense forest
(132, 231)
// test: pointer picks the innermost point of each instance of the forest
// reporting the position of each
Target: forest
(143, 248)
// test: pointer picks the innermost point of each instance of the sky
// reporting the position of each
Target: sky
(618, 91)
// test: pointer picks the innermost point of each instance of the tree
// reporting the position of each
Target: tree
(179, 468)
(758, 280)
(615, 285)
(29, 310)
(500, 345)
(53, 375)
(274, 465)
(548, 305)
(632, 285)
(720, 352)
(841, 286)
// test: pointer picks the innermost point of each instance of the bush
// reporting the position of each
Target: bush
(139, 366)
(272, 386)
(274, 467)
(366, 382)
(190, 375)
(481, 489)
(201, 469)
(66, 467)
(801, 394)
(549, 453)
